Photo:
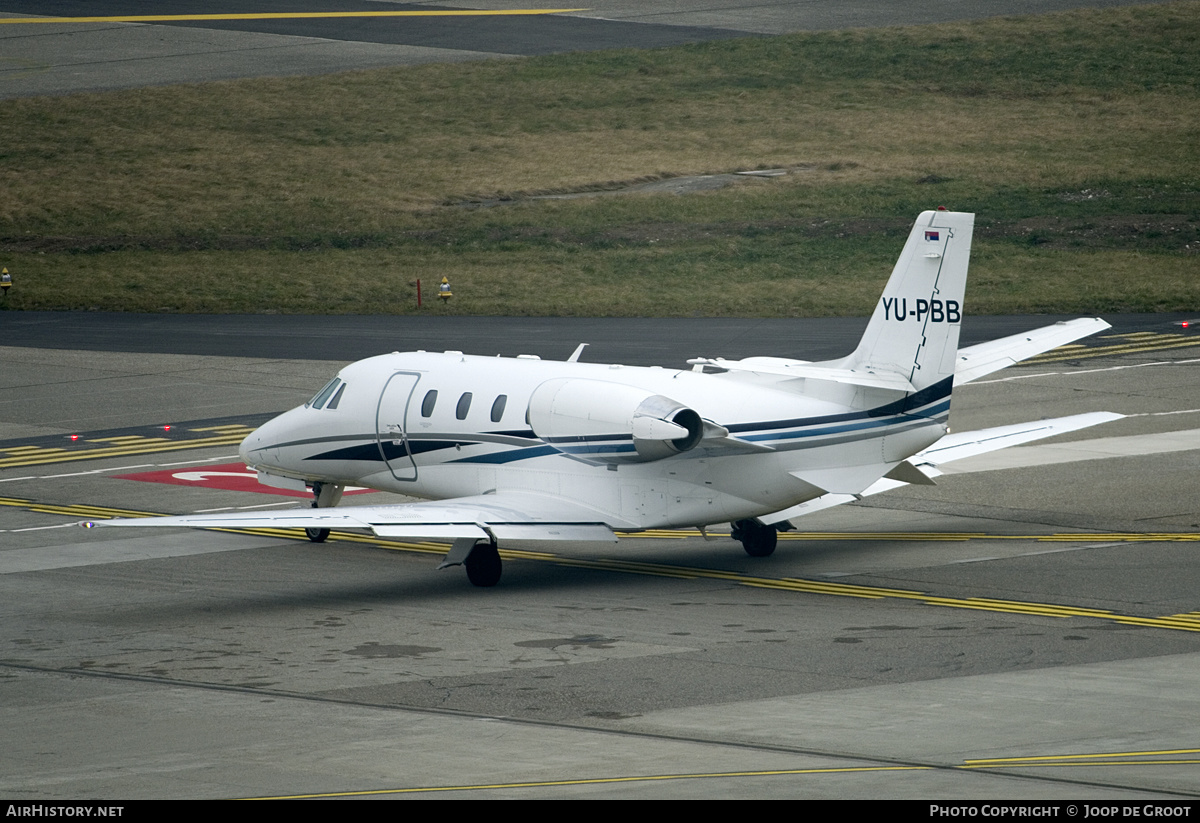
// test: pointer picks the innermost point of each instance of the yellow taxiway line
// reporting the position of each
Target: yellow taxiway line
(1067, 759)
(19, 456)
(1137, 342)
(296, 15)
(1160, 758)
(591, 781)
(1187, 621)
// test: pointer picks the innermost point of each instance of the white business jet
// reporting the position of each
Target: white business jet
(529, 449)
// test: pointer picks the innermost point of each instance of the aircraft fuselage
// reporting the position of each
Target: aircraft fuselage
(642, 447)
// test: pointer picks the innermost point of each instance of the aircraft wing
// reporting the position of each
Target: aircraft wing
(508, 516)
(956, 446)
(976, 361)
(530, 516)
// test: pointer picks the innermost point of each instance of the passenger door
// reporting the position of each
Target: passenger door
(390, 430)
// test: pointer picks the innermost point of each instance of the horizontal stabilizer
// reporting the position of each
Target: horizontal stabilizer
(982, 359)
(812, 371)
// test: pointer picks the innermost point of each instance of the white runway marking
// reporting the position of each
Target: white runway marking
(93, 553)
(1097, 449)
(1084, 371)
(223, 458)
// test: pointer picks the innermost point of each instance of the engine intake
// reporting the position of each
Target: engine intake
(611, 422)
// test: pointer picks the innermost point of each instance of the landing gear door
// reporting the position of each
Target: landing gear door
(390, 428)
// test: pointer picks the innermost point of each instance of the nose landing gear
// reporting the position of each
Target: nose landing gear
(316, 535)
(325, 495)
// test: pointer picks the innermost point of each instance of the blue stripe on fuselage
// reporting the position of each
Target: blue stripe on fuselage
(904, 406)
(510, 456)
(928, 404)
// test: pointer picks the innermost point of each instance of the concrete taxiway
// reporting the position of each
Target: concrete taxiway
(1026, 630)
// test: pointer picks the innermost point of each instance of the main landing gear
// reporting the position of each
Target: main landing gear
(483, 565)
(325, 495)
(758, 539)
(481, 557)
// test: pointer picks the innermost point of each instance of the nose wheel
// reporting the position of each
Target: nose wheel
(325, 495)
(316, 535)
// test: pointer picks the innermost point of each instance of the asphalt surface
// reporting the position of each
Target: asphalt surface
(508, 35)
(1027, 629)
(1041, 605)
(67, 57)
(633, 341)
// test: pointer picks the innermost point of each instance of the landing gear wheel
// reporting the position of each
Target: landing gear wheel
(483, 565)
(756, 538)
(317, 535)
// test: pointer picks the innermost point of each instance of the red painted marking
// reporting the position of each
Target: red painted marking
(227, 476)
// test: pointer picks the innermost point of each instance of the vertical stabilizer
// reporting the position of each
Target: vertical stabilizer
(914, 330)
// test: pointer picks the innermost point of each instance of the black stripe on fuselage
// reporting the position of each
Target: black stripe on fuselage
(905, 405)
(421, 443)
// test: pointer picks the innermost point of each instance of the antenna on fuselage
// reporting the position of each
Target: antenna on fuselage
(574, 358)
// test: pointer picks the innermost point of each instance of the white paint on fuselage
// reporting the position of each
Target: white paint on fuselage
(700, 486)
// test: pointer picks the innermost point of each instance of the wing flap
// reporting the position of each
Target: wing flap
(574, 532)
(583, 533)
(433, 531)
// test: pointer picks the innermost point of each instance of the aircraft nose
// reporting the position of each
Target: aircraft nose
(251, 449)
(261, 446)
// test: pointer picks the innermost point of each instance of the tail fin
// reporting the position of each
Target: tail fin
(914, 330)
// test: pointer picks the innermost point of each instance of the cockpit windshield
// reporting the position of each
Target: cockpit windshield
(323, 395)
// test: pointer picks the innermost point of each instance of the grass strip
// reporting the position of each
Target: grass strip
(1075, 137)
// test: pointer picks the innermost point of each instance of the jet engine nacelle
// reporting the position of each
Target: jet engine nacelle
(611, 422)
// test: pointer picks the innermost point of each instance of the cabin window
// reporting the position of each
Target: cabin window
(464, 406)
(428, 403)
(337, 397)
(323, 395)
(498, 408)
